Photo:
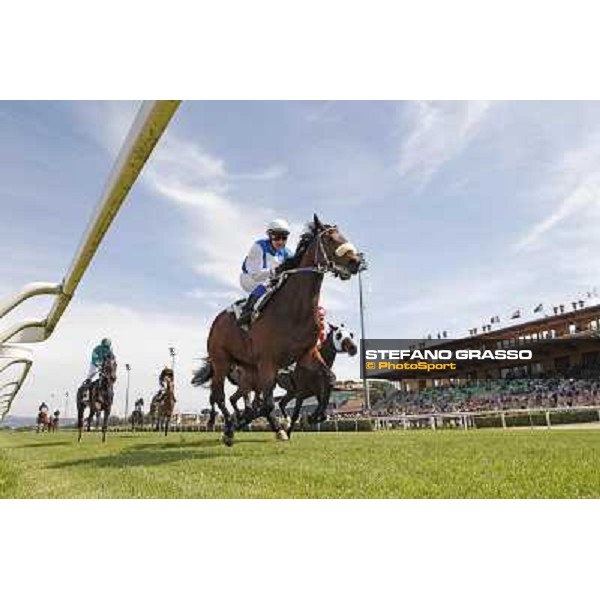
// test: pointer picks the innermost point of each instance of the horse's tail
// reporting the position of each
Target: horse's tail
(203, 374)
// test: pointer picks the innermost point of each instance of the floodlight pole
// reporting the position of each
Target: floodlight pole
(128, 368)
(367, 401)
(172, 353)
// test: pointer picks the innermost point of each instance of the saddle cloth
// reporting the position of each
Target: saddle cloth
(238, 305)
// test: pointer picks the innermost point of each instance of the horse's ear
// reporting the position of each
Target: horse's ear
(318, 224)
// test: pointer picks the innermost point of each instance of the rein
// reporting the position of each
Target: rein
(328, 267)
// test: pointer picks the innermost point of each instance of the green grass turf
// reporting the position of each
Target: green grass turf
(400, 464)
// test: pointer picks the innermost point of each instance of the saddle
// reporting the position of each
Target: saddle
(236, 308)
(88, 386)
(158, 398)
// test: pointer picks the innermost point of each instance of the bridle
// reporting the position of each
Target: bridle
(329, 266)
(339, 335)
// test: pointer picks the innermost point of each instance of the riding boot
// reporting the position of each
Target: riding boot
(246, 314)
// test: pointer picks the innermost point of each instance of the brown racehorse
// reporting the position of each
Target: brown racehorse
(43, 422)
(98, 397)
(287, 329)
(164, 410)
(137, 418)
(54, 421)
(163, 402)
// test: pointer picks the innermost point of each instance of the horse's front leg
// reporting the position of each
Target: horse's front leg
(212, 417)
(105, 423)
(283, 402)
(233, 400)
(295, 415)
(217, 396)
(321, 392)
(267, 373)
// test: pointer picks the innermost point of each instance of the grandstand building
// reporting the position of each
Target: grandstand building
(567, 344)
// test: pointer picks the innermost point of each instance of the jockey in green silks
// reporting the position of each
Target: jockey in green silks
(100, 353)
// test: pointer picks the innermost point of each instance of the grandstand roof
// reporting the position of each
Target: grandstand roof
(545, 322)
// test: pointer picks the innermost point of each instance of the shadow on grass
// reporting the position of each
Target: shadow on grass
(148, 455)
(132, 458)
(46, 444)
(177, 445)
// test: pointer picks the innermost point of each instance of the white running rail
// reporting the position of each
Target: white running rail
(147, 128)
(15, 362)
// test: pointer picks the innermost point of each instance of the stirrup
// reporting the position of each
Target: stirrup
(246, 315)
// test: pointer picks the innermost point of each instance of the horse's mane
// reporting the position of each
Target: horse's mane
(303, 244)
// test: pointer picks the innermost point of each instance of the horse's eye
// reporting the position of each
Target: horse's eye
(338, 336)
(352, 335)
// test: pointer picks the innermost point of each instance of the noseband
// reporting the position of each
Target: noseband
(329, 266)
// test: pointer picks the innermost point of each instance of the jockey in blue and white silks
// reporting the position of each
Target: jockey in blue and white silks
(264, 256)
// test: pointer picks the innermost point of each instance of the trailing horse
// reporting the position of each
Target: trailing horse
(163, 404)
(54, 421)
(137, 418)
(303, 382)
(42, 422)
(97, 397)
(287, 329)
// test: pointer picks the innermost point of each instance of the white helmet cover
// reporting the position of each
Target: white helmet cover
(278, 225)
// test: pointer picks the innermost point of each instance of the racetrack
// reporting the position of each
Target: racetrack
(398, 464)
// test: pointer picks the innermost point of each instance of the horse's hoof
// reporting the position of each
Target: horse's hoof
(282, 436)
(227, 440)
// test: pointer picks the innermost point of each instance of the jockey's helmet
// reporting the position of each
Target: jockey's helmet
(106, 342)
(278, 226)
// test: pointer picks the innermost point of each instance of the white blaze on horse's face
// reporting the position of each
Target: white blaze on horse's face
(345, 249)
(344, 256)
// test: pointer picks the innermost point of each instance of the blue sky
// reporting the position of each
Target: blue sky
(465, 210)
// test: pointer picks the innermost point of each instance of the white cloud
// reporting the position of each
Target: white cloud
(270, 173)
(584, 195)
(106, 122)
(439, 131)
(222, 228)
(573, 187)
(203, 294)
